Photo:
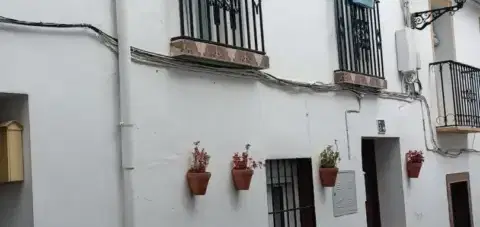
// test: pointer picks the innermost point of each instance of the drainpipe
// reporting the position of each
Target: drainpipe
(124, 63)
(346, 126)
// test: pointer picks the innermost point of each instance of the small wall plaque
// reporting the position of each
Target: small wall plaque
(382, 129)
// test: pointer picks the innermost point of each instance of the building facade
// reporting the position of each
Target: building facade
(107, 137)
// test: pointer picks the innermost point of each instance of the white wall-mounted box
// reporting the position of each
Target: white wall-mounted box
(406, 51)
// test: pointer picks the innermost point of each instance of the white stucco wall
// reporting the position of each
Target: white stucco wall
(466, 32)
(466, 21)
(226, 113)
(70, 80)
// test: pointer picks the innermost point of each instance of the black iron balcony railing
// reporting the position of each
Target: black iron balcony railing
(359, 41)
(231, 23)
(458, 87)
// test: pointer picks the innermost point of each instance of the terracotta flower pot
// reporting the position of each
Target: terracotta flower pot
(198, 182)
(413, 169)
(242, 178)
(328, 176)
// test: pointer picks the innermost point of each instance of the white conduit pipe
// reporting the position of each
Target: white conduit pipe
(124, 73)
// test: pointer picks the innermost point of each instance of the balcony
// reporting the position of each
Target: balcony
(458, 98)
(359, 45)
(221, 32)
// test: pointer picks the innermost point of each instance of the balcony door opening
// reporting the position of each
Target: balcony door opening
(460, 208)
(381, 164)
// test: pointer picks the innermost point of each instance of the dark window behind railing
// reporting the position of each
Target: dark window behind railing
(290, 193)
(458, 87)
(232, 23)
(359, 41)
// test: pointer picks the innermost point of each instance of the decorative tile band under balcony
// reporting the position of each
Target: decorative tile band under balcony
(359, 44)
(458, 87)
(225, 32)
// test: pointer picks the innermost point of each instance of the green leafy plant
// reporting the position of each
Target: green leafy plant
(329, 158)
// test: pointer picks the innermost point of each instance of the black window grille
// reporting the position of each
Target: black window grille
(290, 193)
(458, 85)
(359, 40)
(232, 23)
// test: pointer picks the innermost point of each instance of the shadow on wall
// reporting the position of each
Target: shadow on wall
(16, 205)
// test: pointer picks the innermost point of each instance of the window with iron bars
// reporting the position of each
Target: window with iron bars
(359, 40)
(232, 23)
(290, 193)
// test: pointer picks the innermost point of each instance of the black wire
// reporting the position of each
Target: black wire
(420, 87)
(140, 52)
(7, 20)
(146, 53)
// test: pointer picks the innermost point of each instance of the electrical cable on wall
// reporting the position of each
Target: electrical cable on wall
(406, 13)
(150, 58)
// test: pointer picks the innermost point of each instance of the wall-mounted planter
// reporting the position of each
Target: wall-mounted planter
(198, 182)
(413, 169)
(328, 176)
(242, 178)
(414, 160)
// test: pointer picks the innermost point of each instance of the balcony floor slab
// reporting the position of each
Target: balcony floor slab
(217, 55)
(351, 78)
(458, 129)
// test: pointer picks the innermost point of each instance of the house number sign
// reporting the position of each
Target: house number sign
(381, 128)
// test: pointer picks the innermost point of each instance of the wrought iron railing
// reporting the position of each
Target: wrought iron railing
(359, 40)
(290, 193)
(458, 87)
(232, 23)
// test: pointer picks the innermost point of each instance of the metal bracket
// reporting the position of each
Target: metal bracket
(123, 124)
(421, 20)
